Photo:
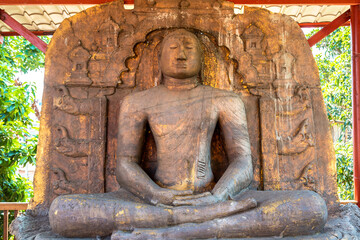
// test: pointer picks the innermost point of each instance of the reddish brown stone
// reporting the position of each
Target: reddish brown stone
(104, 53)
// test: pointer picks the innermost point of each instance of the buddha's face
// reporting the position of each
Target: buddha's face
(180, 56)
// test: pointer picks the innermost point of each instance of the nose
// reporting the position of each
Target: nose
(181, 54)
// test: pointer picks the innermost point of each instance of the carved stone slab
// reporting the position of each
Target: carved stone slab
(100, 55)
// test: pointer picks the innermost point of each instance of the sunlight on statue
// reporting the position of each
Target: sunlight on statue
(183, 201)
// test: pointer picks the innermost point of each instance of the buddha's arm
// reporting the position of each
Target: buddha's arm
(233, 124)
(129, 174)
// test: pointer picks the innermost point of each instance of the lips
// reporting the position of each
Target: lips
(181, 65)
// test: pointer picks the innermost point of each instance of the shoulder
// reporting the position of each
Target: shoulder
(142, 94)
(137, 101)
(228, 103)
(226, 97)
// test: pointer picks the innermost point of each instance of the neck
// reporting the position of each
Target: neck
(180, 84)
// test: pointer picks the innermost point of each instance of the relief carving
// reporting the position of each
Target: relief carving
(252, 37)
(70, 147)
(79, 58)
(287, 126)
(291, 100)
(75, 106)
(300, 102)
(297, 143)
(306, 179)
(62, 185)
(106, 42)
(80, 134)
(284, 66)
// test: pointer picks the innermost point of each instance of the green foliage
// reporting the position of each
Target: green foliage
(334, 62)
(344, 153)
(18, 138)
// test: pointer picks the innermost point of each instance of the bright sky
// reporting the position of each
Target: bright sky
(36, 77)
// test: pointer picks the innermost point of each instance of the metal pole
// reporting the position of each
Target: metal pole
(355, 36)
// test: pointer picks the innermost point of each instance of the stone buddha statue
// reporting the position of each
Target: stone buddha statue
(182, 200)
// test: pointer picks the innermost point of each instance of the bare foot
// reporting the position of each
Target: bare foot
(198, 214)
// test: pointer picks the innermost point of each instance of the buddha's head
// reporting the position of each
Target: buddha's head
(180, 55)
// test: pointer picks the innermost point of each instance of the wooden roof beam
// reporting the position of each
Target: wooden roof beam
(37, 33)
(242, 2)
(319, 24)
(339, 21)
(48, 33)
(28, 35)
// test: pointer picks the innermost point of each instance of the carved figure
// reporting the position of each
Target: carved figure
(106, 42)
(183, 201)
(70, 147)
(297, 143)
(62, 185)
(74, 106)
(79, 58)
(253, 37)
(300, 101)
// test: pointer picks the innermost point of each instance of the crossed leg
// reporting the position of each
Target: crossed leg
(279, 213)
(91, 215)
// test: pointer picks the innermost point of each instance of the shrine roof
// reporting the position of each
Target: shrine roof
(48, 17)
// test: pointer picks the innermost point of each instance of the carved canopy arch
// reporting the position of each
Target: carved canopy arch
(218, 70)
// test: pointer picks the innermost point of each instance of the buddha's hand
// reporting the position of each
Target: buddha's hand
(167, 196)
(205, 198)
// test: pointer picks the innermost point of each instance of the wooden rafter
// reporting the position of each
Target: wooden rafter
(47, 33)
(339, 21)
(11, 22)
(319, 24)
(37, 33)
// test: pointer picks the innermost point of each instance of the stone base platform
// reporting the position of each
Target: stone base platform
(343, 224)
(322, 236)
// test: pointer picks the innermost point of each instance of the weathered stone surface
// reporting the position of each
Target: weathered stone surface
(103, 54)
(106, 59)
(343, 224)
(30, 224)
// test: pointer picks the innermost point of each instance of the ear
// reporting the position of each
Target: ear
(158, 77)
(158, 74)
(201, 73)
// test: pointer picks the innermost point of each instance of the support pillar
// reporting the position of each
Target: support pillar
(355, 36)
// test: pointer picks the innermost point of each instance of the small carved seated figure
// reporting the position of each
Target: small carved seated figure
(183, 201)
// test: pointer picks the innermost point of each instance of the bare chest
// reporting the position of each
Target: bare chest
(177, 116)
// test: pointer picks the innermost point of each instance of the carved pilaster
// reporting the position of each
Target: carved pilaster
(79, 140)
(287, 129)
